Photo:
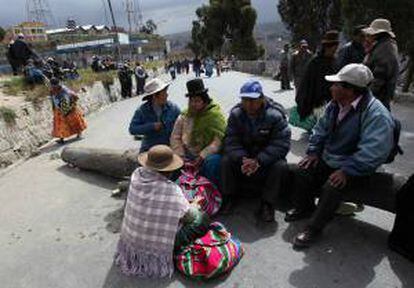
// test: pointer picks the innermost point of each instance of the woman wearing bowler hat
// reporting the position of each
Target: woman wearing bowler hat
(199, 131)
(157, 217)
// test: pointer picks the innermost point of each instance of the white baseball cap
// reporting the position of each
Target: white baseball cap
(355, 74)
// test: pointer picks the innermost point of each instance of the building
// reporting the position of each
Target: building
(32, 31)
(84, 32)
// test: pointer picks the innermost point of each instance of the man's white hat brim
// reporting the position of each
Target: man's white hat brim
(149, 94)
(337, 78)
(253, 95)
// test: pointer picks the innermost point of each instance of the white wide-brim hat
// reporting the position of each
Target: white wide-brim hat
(379, 26)
(154, 86)
(355, 74)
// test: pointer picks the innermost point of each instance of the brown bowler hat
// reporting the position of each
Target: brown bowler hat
(160, 158)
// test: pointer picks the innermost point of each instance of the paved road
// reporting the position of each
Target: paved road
(57, 223)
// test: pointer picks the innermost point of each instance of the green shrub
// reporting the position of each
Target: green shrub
(8, 115)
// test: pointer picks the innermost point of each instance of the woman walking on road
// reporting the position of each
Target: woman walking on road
(67, 117)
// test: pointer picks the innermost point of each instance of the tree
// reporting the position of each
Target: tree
(149, 28)
(2, 33)
(224, 21)
(310, 19)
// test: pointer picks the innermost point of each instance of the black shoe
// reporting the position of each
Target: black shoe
(60, 141)
(298, 214)
(227, 206)
(266, 212)
(306, 238)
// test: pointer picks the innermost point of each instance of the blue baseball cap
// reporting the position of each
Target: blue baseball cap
(251, 89)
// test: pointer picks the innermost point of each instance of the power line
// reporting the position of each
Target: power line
(39, 11)
(105, 10)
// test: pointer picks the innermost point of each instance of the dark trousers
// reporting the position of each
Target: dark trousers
(197, 71)
(284, 79)
(126, 88)
(140, 85)
(374, 190)
(267, 181)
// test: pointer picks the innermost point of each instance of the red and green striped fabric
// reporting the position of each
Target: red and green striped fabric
(212, 255)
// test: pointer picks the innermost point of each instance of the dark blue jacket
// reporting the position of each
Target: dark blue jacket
(143, 124)
(268, 140)
(351, 52)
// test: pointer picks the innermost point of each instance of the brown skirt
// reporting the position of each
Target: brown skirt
(66, 126)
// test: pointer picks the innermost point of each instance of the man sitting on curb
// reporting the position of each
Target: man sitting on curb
(352, 139)
(256, 143)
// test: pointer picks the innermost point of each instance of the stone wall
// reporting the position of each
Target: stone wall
(263, 68)
(33, 124)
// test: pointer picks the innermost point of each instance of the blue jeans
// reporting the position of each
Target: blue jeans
(211, 169)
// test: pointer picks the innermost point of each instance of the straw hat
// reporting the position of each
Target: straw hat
(379, 26)
(154, 86)
(160, 158)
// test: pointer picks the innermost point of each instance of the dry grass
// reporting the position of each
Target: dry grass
(16, 86)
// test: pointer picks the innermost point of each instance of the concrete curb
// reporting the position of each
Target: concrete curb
(404, 97)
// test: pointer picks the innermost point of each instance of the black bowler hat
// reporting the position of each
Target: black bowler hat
(330, 37)
(195, 87)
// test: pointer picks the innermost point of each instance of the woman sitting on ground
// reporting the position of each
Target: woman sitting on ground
(67, 117)
(157, 217)
(199, 131)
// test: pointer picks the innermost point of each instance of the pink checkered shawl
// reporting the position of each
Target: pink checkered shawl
(151, 220)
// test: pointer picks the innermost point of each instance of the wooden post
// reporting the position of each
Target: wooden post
(110, 162)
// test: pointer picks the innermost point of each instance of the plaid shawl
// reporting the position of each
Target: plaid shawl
(151, 220)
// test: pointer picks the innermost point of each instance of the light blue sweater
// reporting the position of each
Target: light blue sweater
(360, 143)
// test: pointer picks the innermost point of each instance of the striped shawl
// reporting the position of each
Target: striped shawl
(151, 220)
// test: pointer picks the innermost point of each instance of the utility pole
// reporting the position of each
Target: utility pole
(117, 48)
(39, 11)
(130, 13)
(112, 13)
(139, 23)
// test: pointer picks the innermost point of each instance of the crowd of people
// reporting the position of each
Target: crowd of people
(36, 70)
(375, 46)
(354, 136)
(349, 90)
(199, 66)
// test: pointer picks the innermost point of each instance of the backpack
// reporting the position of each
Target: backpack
(401, 238)
(194, 185)
(210, 256)
(396, 148)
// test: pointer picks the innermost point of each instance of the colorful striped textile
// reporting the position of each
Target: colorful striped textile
(196, 186)
(210, 256)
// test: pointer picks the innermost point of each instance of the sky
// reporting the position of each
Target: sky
(171, 16)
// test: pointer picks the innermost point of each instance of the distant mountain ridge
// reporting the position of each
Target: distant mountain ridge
(268, 30)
